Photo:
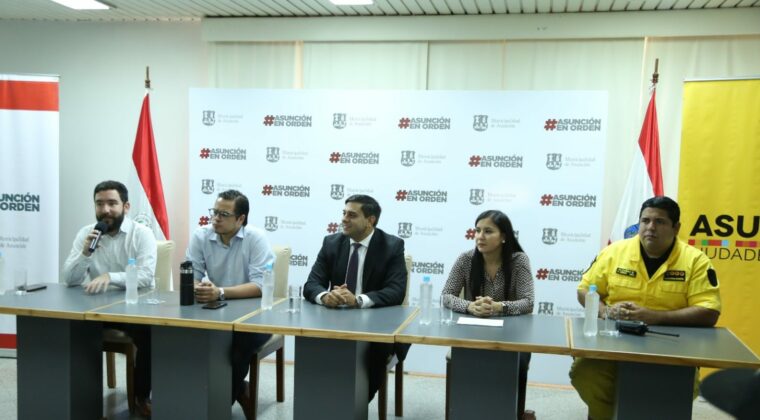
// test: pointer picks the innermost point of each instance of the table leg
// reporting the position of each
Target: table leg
(329, 374)
(646, 390)
(482, 380)
(60, 368)
(191, 373)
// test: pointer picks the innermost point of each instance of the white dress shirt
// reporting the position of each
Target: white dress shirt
(366, 301)
(132, 241)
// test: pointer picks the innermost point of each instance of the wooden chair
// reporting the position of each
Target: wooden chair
(397, 364)
(277, 342)
(116, 341)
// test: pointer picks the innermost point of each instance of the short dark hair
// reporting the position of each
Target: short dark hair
(241, 203)
(663, 203)
(112, 185)
(370, 207)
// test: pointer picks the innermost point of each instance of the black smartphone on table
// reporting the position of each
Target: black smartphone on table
(214, 305)
(35, 287)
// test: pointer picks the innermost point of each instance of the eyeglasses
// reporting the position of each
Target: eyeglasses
(221, 214)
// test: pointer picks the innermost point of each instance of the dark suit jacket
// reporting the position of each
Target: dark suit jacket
(384, 275)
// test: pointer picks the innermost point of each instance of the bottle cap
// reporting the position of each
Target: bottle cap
(426, 279)
(592, 288)
(269, 266)
(131, 261)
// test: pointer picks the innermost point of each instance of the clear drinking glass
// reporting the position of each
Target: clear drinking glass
(609, 315)
(446, 314)
(294, 298)
(153, 293)
(19, 281)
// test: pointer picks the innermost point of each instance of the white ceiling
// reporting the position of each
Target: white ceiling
(184, 10)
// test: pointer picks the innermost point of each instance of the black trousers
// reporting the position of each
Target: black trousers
(244, 346)
(140, 335)
(377, 361)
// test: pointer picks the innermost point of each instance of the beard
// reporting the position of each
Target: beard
(115, 222)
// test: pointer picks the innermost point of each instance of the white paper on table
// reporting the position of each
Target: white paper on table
(479, 321)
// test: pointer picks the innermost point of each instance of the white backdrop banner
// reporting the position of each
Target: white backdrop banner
(434, 160)
(28, 184)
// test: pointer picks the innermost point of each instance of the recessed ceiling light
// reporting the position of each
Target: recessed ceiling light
(351, 2)
(83, 4)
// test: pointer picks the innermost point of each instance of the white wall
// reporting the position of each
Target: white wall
(102, 68)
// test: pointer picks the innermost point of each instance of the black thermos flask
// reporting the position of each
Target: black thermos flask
(186, 295)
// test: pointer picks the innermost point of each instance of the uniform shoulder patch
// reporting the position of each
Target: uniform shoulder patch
(712, 277)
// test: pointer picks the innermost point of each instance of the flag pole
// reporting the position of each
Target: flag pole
(655, 75)
(147, 76)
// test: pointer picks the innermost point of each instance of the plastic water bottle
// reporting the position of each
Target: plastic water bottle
(267, 292)
(426, 301)
(131, 294)
(592, 312)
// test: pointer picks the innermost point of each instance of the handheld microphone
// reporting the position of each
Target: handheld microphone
(100, 228)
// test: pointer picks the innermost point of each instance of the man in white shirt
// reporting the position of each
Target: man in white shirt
(105, 267)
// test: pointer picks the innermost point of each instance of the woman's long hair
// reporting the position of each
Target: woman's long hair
(509, 247)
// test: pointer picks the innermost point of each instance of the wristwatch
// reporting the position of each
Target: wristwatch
(221, 293)
(359, 302)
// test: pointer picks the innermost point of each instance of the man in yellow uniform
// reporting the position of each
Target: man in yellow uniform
(652, 277)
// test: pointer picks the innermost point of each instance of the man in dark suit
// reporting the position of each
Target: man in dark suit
(362, 267)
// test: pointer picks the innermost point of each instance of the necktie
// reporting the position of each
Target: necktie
(353, 268)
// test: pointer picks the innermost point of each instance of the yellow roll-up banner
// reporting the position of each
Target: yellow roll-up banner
(719, 193)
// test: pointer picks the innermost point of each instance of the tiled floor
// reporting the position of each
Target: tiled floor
(424, 398)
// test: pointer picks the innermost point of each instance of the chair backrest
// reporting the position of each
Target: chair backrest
(408, 260)
(281, 268)
(163, 275)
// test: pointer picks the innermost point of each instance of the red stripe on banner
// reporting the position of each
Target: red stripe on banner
(146, 163)
(715, 242)
(649, 142)
(30, 96)
(692, 242)
(746, 244)
(7, 341)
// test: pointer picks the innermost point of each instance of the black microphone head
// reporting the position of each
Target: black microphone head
(101, 226)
